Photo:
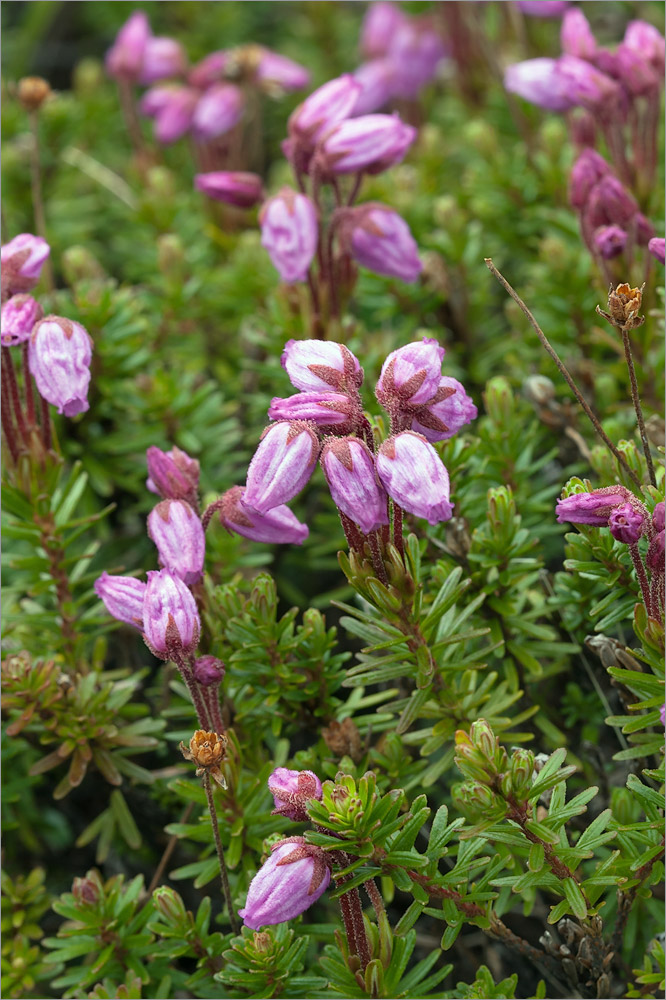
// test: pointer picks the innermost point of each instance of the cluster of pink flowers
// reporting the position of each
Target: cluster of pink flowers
(628, 520)
(324, 421)
(202, 99)
(55, 351)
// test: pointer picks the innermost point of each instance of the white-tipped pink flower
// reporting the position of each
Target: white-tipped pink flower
(174, 475)
(414, 475)
(125, 57)
(289, 231)
(379, 239)
(327, 410)
(177, 532)
(377, 86)
(371, 143)
(209, 70)
(281, 465)
(411, 375)
(576, 35)
(294, 877)
(162, 58)
(541, 82)
(380, 25)
(233, 187)
(172, 107)
(19, 315)
(442, 419)
(415, 53)
(278, 526)
(278, 72)
(656, 248)
(171, 625)
(325, 106)
(22, 260)
(122, 597)
(59, 354)
(349, 468)
(217, 111)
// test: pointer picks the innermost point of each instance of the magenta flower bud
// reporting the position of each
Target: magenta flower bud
(654, 557)
(323, 108)
(662, 715)
(277, 526)
(626, 523)
(179, 537)
(22, 260)
(610, 241)
(648, 42)
(19, 315)
(377, 85)
(541, 82)
(208, 670)
(171, 625)
(543, 8)
(233, 187)
(588, 169)
(643, 229)
(371, 143)
(441, 420)
(276, 71)
(293, 878)
(217, 111)
(123, 598)
(658, 516)
(415, 53)
(325, 409)
(414, 475)
(380, 24)
(576, 35)
(172, 474)
(281, 465)
(588, 86)
(349, 468)
(610, 203)
(637, 75)
(411, 375)
(289, 231)
(59, 353)
(592, 508)
(209, 70)
(291, 790)
(162, 58)
(656, 248)
(172, 107)
(316, 365)
(125, 57)
(379, 239)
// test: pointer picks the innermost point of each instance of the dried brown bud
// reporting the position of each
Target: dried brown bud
(624, 304)
(207, 751)
(262, 941)
(343, 738)
(32, 92)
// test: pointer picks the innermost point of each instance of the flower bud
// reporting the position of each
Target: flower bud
(281, 465)
(289, 232)
(626, 524)
(315, 365)
(576, 35)
(543, 8)
(648, 42)
(325, 106)
(209, 70)
(171, 626)
(290, 881)
(411, 375)
(484, 738)
(415, 53)
(379, 239)
(380, 24)
(440, 420)
(522, 769)
(291, 790)
(277, 526)
(22, 260)
(371, 143)
(172, 474)
(656, 248)
(592, 508)
(414, 475)
(610, 203)
(170, 906)
(328, 410)
(277, 73)
(162, 58)
(377, 85)
(32, 91)
(635, 72)
(217, 111)
(654, 557)
(588, 169)
(349, 468)
(658, 516)
(122, 597)
(208, 670)
(232, 187)
(179, 537)
(540, 82)
(610, 241)
(59, 354)
(587, 86)
(19, 315)
(125, 57)
(172, 107)
(87, 891)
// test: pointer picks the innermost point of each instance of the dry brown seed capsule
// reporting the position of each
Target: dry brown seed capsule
(207, 751)
(32, 92)
(624, 303)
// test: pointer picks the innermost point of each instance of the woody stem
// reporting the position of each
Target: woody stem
(637, 404)
(352, 917)
(642, 578)
(27, 385)
(224, 879)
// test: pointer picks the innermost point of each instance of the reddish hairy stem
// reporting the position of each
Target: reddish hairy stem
(27, 383)
(11, 386)
(642, 579)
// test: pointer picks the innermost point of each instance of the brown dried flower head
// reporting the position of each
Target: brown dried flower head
(207, 751)
(344, 739)
(32, 92)
(624, 304)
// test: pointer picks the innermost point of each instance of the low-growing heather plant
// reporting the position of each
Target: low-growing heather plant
(305, 692)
